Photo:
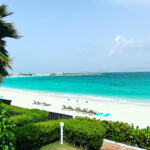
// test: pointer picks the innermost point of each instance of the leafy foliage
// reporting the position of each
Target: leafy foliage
(83, 133)
(37, 134)
(127, 134)
(15, 110)
(22, 116)
(7, 138)
(6, 30)
(79, 131)
(124, 133)
(30, 117)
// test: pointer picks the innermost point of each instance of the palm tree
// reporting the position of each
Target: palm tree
(7, 30)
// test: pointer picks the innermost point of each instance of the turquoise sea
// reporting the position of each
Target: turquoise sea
(133, 87)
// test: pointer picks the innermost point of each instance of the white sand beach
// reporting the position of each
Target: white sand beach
(129, 113)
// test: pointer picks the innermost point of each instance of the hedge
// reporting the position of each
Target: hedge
(142, 137)
(7, 138)
(124, 133)
(119, 132)
(127, 134)
(83, 133)
(36, 134)
(115, 131)
(22, 116)
(24, 119)
(15, 110)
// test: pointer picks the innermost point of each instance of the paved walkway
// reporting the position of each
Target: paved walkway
(109, 145)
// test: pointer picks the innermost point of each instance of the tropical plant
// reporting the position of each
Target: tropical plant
(7, 138)
(7, 30)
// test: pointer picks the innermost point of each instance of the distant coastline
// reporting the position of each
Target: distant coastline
(53, 74)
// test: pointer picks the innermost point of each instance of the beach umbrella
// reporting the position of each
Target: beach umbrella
(68, 101)
(86, 104)
(77, 102)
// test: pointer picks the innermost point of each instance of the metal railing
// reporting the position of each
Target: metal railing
(8, 102)
(56, 116)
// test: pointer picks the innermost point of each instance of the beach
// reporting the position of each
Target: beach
(125, 112)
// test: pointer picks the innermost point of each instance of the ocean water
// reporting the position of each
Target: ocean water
(133, 87)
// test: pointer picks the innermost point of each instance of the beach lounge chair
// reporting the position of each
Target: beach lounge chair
(84, 111)
(45, 104)
(107, 115)
(34, 102)
(48, 104)
(91, 112)
(70, 108)
(64, 107)
(38, 103)
(78, 109)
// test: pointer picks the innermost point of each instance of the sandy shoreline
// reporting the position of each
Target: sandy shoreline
(130, 113)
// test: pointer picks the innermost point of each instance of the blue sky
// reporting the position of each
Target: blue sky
(80, 35)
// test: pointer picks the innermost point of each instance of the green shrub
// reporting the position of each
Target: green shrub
(37, 134)
(119, 131)
(83, 133)
(15, 110)
(142, 137)
(7, 138)
(125, 133)
(30, 116)
(21, 116)
(115, 131)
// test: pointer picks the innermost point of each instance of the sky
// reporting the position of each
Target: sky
(80, 35)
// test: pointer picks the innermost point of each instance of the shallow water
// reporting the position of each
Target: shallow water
(134, 87)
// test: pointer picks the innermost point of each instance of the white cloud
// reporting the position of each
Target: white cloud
(120, 40)
(124, 45)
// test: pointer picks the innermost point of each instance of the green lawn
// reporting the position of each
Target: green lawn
(58, 146)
